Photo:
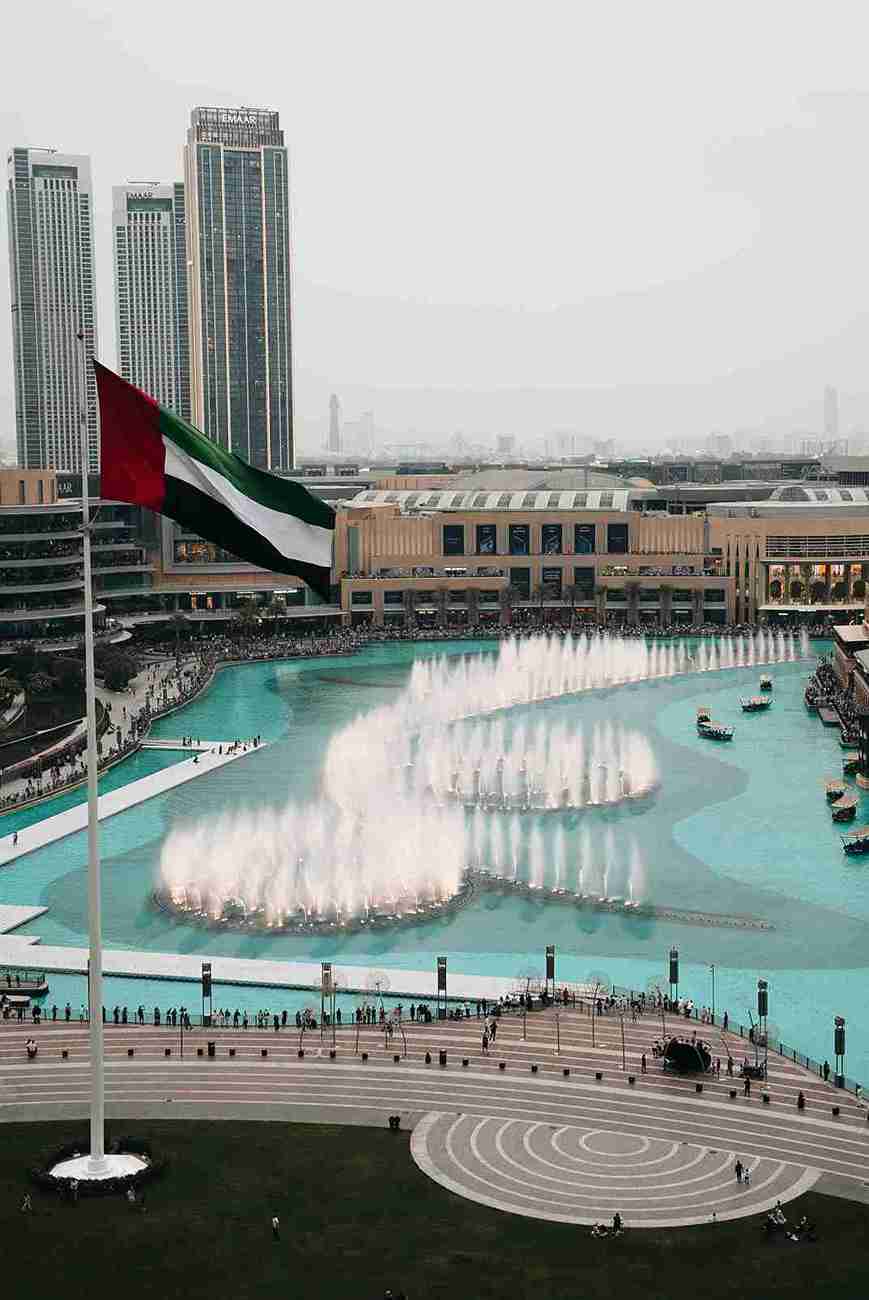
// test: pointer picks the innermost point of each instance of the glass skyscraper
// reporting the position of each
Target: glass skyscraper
(51, 271)
(150, 257)
(238, 240)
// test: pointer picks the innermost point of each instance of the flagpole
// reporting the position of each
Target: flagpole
(97, 1161)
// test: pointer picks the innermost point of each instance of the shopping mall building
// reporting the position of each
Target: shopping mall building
(504, 547)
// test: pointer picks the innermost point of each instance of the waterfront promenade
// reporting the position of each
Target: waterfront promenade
(570, 1148)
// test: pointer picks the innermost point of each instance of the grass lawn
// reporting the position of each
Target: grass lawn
(358, 1217)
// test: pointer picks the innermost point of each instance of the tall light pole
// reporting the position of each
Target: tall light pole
(712, 969)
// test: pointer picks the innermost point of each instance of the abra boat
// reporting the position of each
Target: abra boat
(845, 809)
(755, 703)
(851, 762)
(766, 683)
(714, 731)
(835, 790)
(856, 842)
(703, 714)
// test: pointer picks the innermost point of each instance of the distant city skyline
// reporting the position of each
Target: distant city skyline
(587, 234)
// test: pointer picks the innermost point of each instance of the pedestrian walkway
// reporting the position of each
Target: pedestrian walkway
(574, 1147)
(116, 801)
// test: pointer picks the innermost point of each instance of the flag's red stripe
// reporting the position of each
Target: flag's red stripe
(132, 455)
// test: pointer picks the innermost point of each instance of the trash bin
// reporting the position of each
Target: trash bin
(212, 1049)
(442, 1057)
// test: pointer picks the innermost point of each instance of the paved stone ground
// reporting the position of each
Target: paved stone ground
(539, 1144)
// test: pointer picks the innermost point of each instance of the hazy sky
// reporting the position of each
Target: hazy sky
(627, 219)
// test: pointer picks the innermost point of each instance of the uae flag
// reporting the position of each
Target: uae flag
(150, 457)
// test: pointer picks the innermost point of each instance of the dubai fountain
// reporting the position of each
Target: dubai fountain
(433, 795)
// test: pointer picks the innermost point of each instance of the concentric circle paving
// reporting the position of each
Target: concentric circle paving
(575, 1174)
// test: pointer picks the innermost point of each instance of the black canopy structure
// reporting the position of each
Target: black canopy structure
(687, 1058)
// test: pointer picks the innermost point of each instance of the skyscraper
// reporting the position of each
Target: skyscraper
(334, 425)
(238, 240)
(52, 278)
(150, 257)
(831, 412)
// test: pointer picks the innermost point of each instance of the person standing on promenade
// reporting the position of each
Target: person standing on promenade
(738, 1170)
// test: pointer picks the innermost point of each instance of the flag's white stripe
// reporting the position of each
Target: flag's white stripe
(288, 534)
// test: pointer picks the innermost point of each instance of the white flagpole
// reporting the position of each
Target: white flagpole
(97, 1161)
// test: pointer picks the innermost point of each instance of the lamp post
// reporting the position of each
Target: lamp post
(712, 969)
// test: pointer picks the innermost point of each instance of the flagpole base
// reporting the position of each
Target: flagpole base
(85, 1168)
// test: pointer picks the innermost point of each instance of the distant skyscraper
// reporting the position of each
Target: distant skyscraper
(831, 412)
(238, 240)
(52, 277)
(334, 425)
(150, 256)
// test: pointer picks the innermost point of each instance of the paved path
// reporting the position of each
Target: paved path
(573, 1149)
(11, 916)
(410, 984)
(74, 819)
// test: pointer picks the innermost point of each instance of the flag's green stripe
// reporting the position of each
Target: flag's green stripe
(217, 523)
(276, 493)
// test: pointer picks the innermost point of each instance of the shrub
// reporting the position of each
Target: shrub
(118, 671)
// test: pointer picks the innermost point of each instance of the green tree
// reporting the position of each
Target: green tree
(118, 671)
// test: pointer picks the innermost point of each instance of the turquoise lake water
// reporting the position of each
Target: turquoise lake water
(737, 828)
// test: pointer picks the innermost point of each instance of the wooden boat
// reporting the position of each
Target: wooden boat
(703, 714)
(766, 683)
(849, 739)
(851, 762)
(835, 789)
(755, 703)
(714, 731)
(845, 809)
(856, 842)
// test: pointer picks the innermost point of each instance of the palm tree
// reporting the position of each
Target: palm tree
(248, 616)
(179, 622)
(275, 610)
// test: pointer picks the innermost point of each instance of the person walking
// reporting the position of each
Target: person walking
(643, 1063)
(746, 1088)
(746, 1176)
(276, 1227)
(485, 1042)
(738, 1169)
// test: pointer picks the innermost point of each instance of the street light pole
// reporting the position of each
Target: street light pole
(712, 968)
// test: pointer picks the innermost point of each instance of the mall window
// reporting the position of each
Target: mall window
(583, 580)
(551, 539)
(583, 539)
(454, 539)
(520, 539)
(714, 595)
(487, 539)
(550, 581)
(361, 598)
(393, 597)
(22, 497)
(521, 580)
(617, 539)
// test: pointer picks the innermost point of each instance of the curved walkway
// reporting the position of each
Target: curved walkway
(541, 1144)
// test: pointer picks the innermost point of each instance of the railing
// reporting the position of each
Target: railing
(751, 1035)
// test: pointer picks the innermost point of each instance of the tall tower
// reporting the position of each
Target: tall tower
(150, 257)
(334, 425)
(831, 412)
(51, 271)
(238, 241)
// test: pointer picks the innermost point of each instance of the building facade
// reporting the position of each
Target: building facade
(239, 284)
(464, 558)
(149, 246)
(51, 265)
